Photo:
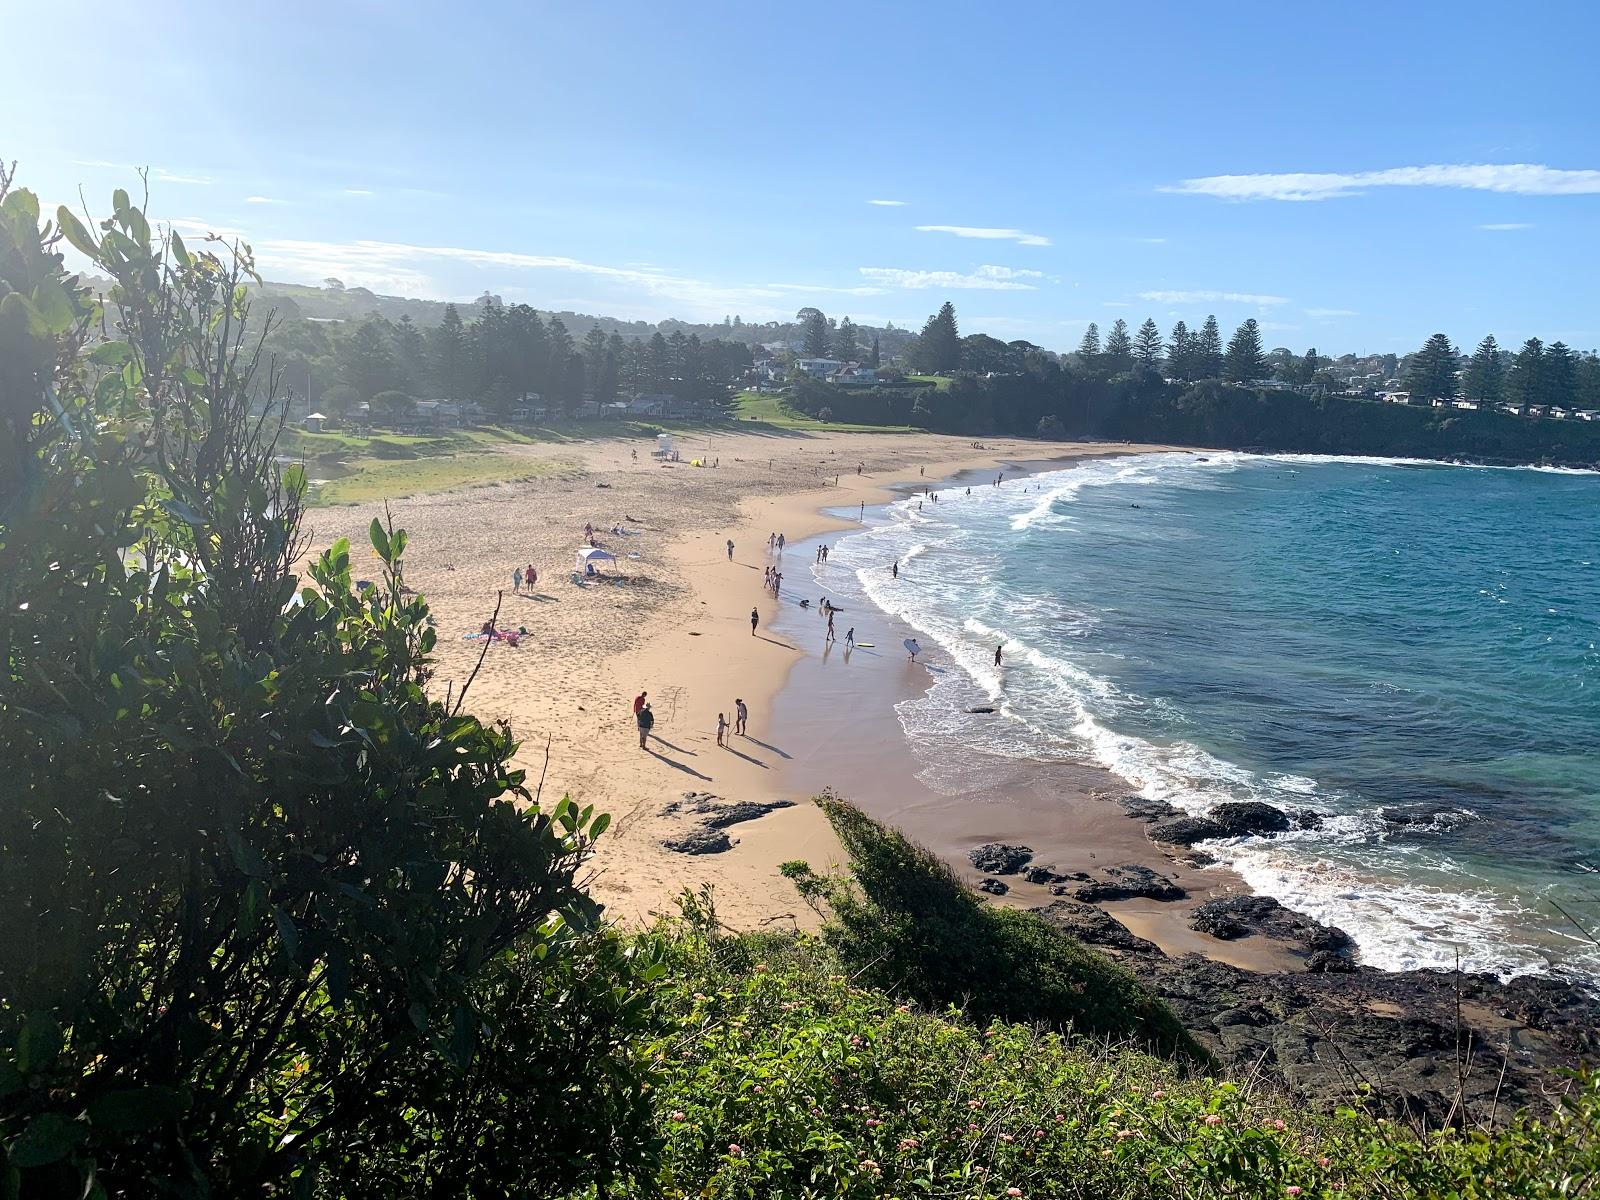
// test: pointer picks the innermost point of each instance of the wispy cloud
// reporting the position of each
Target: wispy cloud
(1021, 237)
(1324, 313)
(357, 192)
(1152, 241)
(888, 203)
(158, 174)
(1525, 179)
(1206, 297)
(263, 200)
(1116, 304)
(1504, 226)
(990, 279)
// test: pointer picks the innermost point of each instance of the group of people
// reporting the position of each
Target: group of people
(775, 541)
(822, 554)
(774, 580)
(645, 718)
(524, 577)
(741, 723)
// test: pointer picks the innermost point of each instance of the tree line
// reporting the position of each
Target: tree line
(1535, 376)
(504, 358)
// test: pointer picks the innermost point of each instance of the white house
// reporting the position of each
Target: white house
(817, 368)
(854, 376)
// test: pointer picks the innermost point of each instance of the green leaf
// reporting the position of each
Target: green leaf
(120, 201)
(133, 1110)
(179, 250)
(48, 1138)
(111, 354)
(601, 824)
(72, 229)
(38, 1043)
(380, 539)
(287, 933)
(51, 302)
(24, 203)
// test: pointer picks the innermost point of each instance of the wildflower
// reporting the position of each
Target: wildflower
(1006, 1137)
(1124, 1134)
(1013, 1191)
(1038, 1133)
(909, 1143)
(868, 1165)
(1278, 1125)
(1060, 1118)
(1158, 1094)
(972, 1127)
(974, 1103)
(1292, 1190)
(873, 1122)
(988, 1058)
(1105, 1154)
(1213, 1119)
(786, 1006)
(680, 1115)
(733, 1149)
(902, 1008)
(760, 968)
(1322, 1162)
(699, 995)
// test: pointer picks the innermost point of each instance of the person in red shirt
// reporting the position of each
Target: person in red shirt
(638, 702)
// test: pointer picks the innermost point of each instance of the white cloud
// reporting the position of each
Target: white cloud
(357, 192)
(159, 174)
(1502, 226)
(1205, 297)
(1322, 313)
(1152, 241)
(262, 200)
(991, 279)
(1116, 304)
(888, 203)
(1019, 236)
(1525, 179)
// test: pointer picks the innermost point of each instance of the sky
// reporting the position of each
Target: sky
(1355, 176)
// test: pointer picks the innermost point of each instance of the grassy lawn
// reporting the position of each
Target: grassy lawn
(939, 383)
(773, 411)
(381, 479)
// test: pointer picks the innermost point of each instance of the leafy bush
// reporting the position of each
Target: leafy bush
(906, 923)
(780, 1075)
(259, 886)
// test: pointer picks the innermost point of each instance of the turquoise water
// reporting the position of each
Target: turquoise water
(1409, 650)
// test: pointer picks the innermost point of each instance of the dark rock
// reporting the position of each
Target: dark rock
(1307, 818)
(1186, 831)
(1037, 874)
(1127, 882)
(1245, 818)
(722, 815)
(699, 841)
(1420, 818)
(981, 708)
(1093, 926)
(995, 887)
(1326, 961)
(1229, 917)
(1199, 858)
(999, 858)
(1147, 810)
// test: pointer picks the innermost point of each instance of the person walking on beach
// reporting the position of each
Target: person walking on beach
(722, 729)
(772, 540)
(647, 720)
(780, 543)
(530, 577)
(755, 619)
(639, 702)
(850, 638)
(741, 718)
(516, 580)
(830, 625)
(863, 514)
(912, 649)
(730, 549)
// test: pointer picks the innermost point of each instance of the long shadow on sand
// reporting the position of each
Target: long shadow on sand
(684, 767)
(749, 758)
(767, 746)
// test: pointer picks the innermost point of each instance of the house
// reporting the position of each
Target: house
(817, 368)
(852, 375)
(313, 422)
(438, 412)
(652, 404)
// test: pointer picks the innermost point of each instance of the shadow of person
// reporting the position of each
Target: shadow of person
(684, 767)
(768, 746)
(750, 758)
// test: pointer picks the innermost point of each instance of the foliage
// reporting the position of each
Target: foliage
(1244, 361)
(259, 884)
(1433, 371)
(938, 349)
(903, 921)
(779, 1073)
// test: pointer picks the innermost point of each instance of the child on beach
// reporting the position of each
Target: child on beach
(722, 729)
(850, 638)
(516, 579)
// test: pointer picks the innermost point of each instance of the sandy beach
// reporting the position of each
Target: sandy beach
(671, 617)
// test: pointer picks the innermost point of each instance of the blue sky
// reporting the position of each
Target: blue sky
(1355, 176)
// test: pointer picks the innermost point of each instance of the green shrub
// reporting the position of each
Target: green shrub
(906, 923)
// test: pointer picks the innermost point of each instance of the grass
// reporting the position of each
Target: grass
(774, 411)
(939, 383)
(379, 479)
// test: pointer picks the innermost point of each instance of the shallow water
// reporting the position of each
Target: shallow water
(1346, 636)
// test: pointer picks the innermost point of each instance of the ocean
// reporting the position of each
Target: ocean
(1407, 649)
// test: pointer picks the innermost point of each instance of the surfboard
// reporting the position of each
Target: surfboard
(864, 645)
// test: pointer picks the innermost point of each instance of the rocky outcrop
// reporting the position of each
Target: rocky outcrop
(699, 841)
(708, 835)
(1093, 926)
(995, 887)
(1185, 831)
(1127, 882)
(1230, 917)
(999, 858)
(1148, 810)
(1246, 818)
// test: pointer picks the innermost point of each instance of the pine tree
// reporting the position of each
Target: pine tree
(1147, 345)
(875, 359)
(657, 364)
(410, 357)
(1433, 371)
(1208, 351)
(939, 347)
(1089, 348)
(846, 345)
(366, 360)
(450, 353)
(1486, 373)
(1525, 388)
(1309, 366)
(1560, 375)
(1180, 353)
(594, 361)
(1119, 347)
(815, 326)
(1245, 361)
